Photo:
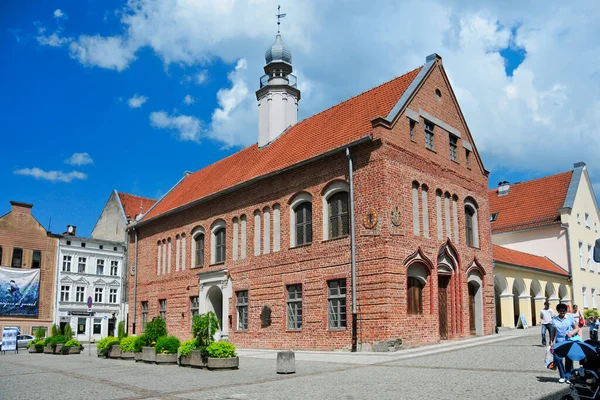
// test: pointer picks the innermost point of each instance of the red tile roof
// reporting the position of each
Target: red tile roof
(529, 204)
(518, 258)
(323, 132)
(131, 204)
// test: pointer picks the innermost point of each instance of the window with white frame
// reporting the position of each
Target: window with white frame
(81, 323)
(335, 210)
(590, 255)
(336, 303)
(581, 262)
(294, 307)
(98, 294)
(471, 223)
(219, 241)
(587, 220)
(594, 304)
(578, 219)
(81, 265)
(162, 309)
(97, 326)
(429, 143)
(64, 293)
(584, 295)
(114, 268)
(301, 229)
(66, 264)
(99, 267)
(144, 315)
(112, 296)
(80, 294)
(242, 310)
(198, 248)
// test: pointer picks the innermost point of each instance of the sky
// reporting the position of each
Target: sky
(97, 95)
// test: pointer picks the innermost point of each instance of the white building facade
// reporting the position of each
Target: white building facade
(89, 268)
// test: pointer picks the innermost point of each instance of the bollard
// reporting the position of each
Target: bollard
(286, 362)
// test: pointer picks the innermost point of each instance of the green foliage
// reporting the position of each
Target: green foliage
(68, 332)
(39, 347)
(221, 350)
(72, 343)
(58, 339)
(155, 329)
(121, 329)
(186, 347)
(105, 344)
(167, 345)
(589, 313)
(139, 342)
(128, 343)
(48, 341)
(40, 333)
(55, 330)
(204, 327)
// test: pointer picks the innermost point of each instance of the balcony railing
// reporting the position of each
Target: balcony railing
(292, 80)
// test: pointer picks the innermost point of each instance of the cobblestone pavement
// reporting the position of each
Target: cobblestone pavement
(491, 369)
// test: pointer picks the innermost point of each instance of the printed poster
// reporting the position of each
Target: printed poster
(19, 291)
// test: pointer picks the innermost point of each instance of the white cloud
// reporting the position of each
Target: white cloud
(53, 40)
(53, 176)
(59, 14)
(106, 52)
(189, 99)
(79, 159)
(188, 128)
(137, 101)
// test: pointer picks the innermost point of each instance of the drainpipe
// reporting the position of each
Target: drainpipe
(56, 316)
(566, 228)
(352, 250)
(135, 273)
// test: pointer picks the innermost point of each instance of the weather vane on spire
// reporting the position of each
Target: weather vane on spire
(279, 16)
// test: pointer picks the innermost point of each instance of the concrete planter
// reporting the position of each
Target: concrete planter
(32, 349)
(58, 349)
(127, 355)
(137, 356)
(74, 350)
(166, 358)
(197, 360)
(48, 350)
(223, 363)
(101, 354)
(184, 361)
(148, 355)
(114, 352)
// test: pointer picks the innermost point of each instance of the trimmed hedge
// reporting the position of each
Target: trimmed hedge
(186, 347)
(167, 345)
(221, 350)
(128, 343)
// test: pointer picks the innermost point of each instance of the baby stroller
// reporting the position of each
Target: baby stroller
(584, 380)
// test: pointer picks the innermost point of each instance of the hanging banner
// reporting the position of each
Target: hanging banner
(19, 291)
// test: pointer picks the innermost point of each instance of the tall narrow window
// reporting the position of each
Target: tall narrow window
(99, 267)
(338, 215)
(586, 217)
(242, 310)
(66, 267)
(266, 231)
(429, 135)
(159, 258)
(256, 233)
(584, 295)
(64, 293)
(169, 253)
(412, 129)
(114, 268)
(36, 259)
(294, 307)
(438, 212)
(177, 251)
(594, 304)
(112, 296)
(415, 296)
(236, 232)
(447, 214)
(415, 208)
(183, 252)
(452, 143)
(469, 226)
(81, 323)
(98, 292)
(220, 245)
(97, 326)
(162, 309)
(471, 223)
(590, 250)
(17, 258)
(144, 315)
(243, 235)
(80, 294)
(164, 256)
(468, 158)
(81, 263)
(425, 205)
(336, 299)
(303, 215)
(194, 306)
(199, 254)
(581, 263)
(276, 228)
(455, 217)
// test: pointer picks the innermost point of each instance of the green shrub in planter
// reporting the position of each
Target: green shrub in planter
(128, 344)
(121, 331)
(40, 333)
(167, 345)
(104, 344)
(39, 347)
(204, 327)
(155, 329)
(139, 342)
(221, 350)
(68, 332)
(72, 343)
(186, 347)
(55, 330)
(59, 339)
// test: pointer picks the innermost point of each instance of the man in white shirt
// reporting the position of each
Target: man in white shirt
(546, 316)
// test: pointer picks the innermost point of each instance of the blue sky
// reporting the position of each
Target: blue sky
(103, 95)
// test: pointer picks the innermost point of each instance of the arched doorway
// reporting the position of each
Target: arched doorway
(215, 292)
(214, 303)
(475, 288)
(500, 288)
(449, 292)
(518, 291)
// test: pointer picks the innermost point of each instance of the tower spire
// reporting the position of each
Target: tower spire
(279, 16)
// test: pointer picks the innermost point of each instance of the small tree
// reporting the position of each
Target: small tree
(204, 326)
(55, 330)
(68, 332)
(121, 331)
(40, 333)
(155, 329)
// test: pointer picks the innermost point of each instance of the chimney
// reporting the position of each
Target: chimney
(503, 188)
(71, 230)
(20, 208)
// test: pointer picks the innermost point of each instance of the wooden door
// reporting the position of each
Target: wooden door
(443, 305)
(472, 291)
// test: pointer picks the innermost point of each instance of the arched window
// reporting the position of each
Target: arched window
(236, 231)
(425, 206)
(159, 258)
(303, 216)
(177, 251)
(183, 250)
(471, 224)
(416, 279)
(276, 228)
(218, 241)
(257, 233)
(198, 248)
(335, 211)
(266, 230)
(243, 236)
(415, 208)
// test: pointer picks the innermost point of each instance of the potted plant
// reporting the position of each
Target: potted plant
(127, 347)
(185, 348)
(138, 344)
(154, 330)
(57, 344)
(104, 345)
(221, 355)
(204, 327)
(72, 347)
(166, 350)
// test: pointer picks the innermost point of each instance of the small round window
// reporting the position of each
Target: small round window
(438, 94)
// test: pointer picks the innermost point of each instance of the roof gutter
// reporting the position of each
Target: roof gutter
(250, 182)
(498, 263)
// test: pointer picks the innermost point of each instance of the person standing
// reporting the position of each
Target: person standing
(577, 315)
(563, 328)
(546, 316)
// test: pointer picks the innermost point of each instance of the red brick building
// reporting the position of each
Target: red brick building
(265, 236)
